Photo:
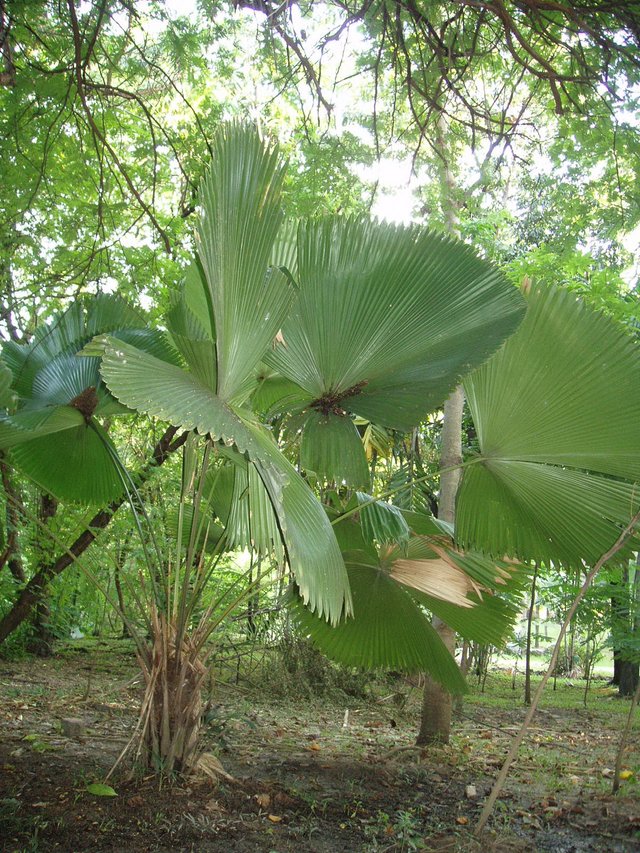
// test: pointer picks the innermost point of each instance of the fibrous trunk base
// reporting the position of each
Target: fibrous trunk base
(172, 705)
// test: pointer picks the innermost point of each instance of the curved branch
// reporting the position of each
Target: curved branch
(79, 76)
(30, 594)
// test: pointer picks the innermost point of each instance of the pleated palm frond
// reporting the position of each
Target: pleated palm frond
(389, 630)
(175, 395)
(241, 215)
(52, 433)
(557, 412)
(8, 397)
(274, 394)
(489, 621)
(206, 534)
(332, 448)
(381, 521)
(482, 571)
(230, 312)
(393, 584)
(438, 577)
(241, 502)
(376, 439)
(387, 321)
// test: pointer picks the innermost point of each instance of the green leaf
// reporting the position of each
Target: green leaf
(238, 225)
(149, 385)
(312, 549)
(208, 533)
(54, 436)
(276, 395)
(389, 318)
(542, 512)
(382, 521)
(243, 505)
(564, 390)
(8, 398)
(63, 378)
(332, 448)
(152, 341)
(26, 425)
(107, 311)
(557, 412)
(389, 630)
(78, 468)
(99, 789)
(489, 621)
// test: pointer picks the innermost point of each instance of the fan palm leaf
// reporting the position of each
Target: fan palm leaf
(475, 594)
(386, 322)
(388, 630)
(557, 412)
(53, 434)
(231, 308)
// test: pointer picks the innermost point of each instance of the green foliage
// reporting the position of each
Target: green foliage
(555, 479)
(246, 303)
(61, 397)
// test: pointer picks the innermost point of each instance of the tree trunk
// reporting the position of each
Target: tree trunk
(527, 660)
(629, 670)
(30, 594)
(15, 510)
(435, 722)
(625, 625)
(41, 643)
(629, 677)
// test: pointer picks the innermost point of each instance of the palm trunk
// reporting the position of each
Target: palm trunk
(172, 706)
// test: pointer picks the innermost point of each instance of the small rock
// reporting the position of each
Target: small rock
(73, 727)
(470, 792)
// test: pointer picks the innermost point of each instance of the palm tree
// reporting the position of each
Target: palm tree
(329, 320)
(325, 320)
(356, 317)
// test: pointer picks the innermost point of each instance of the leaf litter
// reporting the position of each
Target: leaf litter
(324, 776)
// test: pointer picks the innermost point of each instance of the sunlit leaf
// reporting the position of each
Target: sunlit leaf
(557, 412)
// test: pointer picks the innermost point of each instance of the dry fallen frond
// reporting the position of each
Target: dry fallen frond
(208, 765)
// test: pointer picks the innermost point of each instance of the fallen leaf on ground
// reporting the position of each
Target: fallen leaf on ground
(274, 818)
(263, 800)
(209, 765)
(98, 789)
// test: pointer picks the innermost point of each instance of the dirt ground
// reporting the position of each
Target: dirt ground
(322, 776)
